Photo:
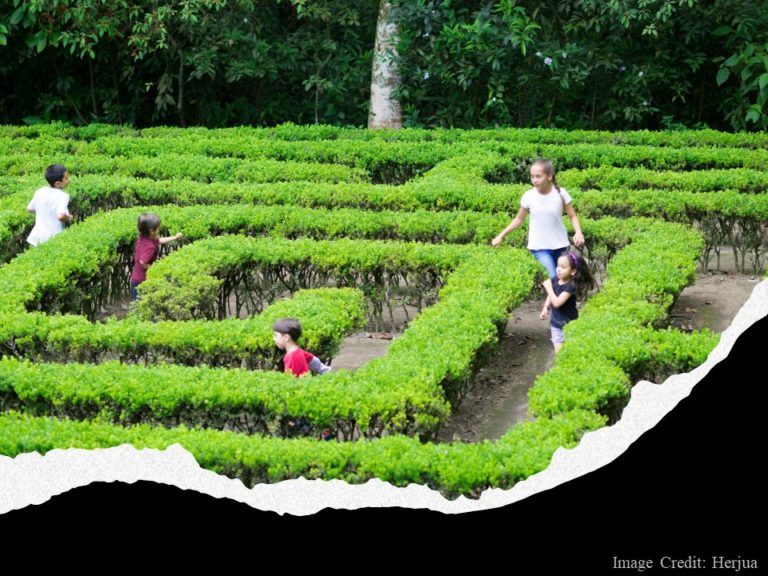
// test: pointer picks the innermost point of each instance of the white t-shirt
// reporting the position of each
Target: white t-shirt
(47, 203)
(546, 230)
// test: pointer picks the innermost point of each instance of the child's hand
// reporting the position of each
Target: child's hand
(496, 241)
(544, 312)
(178, 235)
(547, 283)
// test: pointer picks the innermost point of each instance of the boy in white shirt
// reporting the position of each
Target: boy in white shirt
(50, 205)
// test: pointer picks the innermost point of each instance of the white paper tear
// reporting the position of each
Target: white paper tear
(33, 479)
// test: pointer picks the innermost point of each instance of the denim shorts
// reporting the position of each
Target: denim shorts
(557, 335)
(548, 259)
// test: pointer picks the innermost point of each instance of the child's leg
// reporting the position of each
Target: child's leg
(557, 337)
(548, 259)
(134, 292)
(545, 259)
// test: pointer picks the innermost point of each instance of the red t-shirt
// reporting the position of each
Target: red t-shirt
(298, 361)
(146, 251)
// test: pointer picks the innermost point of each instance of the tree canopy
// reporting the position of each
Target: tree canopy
(612, 64)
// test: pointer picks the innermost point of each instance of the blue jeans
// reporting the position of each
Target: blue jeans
(134, 292)
(548, 259)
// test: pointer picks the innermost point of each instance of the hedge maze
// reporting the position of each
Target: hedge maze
(341, 228)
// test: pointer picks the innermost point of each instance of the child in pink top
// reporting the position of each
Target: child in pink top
(146, 248)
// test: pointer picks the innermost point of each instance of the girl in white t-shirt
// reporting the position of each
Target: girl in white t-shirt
(545, 202)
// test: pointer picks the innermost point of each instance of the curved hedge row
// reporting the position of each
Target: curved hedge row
(327, 315)
(612, 344)
(455, 469)
(199, 168)
(611, 178)
(198, 280)
(396, 393)
(291, 132)
(58, 275)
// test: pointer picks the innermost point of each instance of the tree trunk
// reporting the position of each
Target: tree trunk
(385, 111)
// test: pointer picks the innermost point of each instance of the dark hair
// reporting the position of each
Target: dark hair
(584, 279)
(148, 221)
(549, 169)
(290, 326)
(55, 173)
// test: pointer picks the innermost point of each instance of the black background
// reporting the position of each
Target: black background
(691, 486)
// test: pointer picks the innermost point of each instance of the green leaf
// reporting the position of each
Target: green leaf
(763, 80)
(722, 76)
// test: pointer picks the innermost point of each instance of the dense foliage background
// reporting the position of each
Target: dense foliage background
(566, 63)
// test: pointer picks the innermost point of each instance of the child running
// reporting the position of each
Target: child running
(573, 277)
(547, 236)
(146, 248)
(286, 332)
(50, 205)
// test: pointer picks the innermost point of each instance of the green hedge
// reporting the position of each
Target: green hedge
(198, 280)
(327, 315)
(59, 275)
(612, 344)
(199, 168)
(453, 469)
(638, 178)
(291, 132)
(729, 218)
(93, 192)
(403, 391)
(87, 266)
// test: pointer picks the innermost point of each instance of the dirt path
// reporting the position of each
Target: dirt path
(499, 394)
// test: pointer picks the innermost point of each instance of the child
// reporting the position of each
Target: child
(286, 332)
(573, 277)
(50, 205)
(547, 236)
(146, 248)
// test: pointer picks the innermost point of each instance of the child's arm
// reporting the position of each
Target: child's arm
(545, 310)
(63, 214)
(578, 237)
(519, 219)
(552, 298)
(167, 239)
(317, 366)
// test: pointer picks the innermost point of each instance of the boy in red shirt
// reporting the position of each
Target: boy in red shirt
(286, 333)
